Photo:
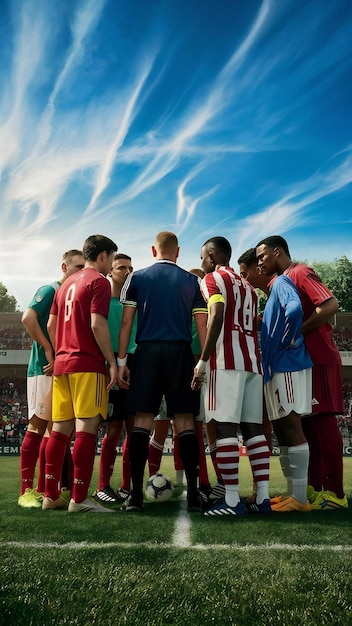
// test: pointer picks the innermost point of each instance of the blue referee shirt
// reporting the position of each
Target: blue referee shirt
(165, 296)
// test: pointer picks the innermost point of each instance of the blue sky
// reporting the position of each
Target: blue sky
(128, 117)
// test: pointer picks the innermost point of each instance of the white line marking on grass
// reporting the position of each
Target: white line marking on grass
(182, 537)
(85, 545)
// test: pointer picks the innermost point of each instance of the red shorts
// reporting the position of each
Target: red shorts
(327, 388)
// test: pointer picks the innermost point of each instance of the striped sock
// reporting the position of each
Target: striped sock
(227, 459)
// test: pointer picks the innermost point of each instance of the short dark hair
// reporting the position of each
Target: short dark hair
(121, 255)
(249, 257)
(221, 245)
(95, 245)
(275, 241)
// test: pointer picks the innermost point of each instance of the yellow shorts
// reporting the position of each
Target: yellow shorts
(80, 395)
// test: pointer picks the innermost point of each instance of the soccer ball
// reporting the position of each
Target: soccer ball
(159, 488)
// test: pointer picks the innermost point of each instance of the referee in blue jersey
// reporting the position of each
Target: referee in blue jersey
(165, 297)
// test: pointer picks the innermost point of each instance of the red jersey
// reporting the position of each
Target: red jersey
(85, 292)
(237, 345)
(313, 293)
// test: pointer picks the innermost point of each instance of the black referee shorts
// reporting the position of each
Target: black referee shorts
(162, 368)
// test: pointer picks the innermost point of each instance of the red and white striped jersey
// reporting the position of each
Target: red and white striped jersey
(237, 345)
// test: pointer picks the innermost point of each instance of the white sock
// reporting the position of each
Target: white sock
(299, 459)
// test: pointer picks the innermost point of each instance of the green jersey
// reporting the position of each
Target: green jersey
(41, 304)
(114, 323)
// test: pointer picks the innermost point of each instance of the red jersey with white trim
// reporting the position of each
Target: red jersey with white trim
(237, 345)
(83, 293)
(319, 342)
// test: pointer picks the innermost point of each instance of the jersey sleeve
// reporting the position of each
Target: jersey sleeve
(308, 281)
(290, 302)
(42, 300)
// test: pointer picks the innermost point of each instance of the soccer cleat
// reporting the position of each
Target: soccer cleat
(327, 501)
(312, 495)
(106, 497)
(291, 504)
(194, 502)
(122, 494)
(30, 499)
(87, 506)
(178, 490)
(66, 495)
(217, 492)
(205, 491)
(221, 508)
(263, 508)
(132, 503)
(278, 499)
(59, 503)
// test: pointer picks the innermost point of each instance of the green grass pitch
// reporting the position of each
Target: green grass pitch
(166, 567)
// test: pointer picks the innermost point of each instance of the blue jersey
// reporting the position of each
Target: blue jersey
(166, 296)
(281, 338)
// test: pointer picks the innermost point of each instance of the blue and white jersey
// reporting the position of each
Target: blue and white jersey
(281, 339)
(165, 296)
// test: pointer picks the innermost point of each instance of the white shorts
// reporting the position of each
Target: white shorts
(39, 396)
(233, 396)
(287, 392)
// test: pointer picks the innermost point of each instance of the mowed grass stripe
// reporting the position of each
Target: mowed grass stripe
(83, 545)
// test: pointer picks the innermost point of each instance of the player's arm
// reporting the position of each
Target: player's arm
(124, 339)
(101, 333)
(201, 320)
(215, 321)
(322, 314)
(31, 324)
(51, 326)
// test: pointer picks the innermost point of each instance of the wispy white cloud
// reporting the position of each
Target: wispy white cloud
(84, 21)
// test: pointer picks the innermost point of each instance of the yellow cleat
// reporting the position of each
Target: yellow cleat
(328, 500)
(30, 499)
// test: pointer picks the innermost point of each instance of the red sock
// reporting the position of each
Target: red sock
(227, 458)
(126, 467)
(41, 465)
(177, 459)
(316, 471)
(203, 469)
(107, 461)
(259, 457)
(154, 456)
(54, 454)
(28, 459)
(69, 461)
(83, 460)
(332, 447)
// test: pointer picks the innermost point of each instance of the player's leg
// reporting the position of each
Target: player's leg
(156, 444)
(223, 404)
(144, 400)
(292, 391)
(62, 427)
(125, 488)
(256, 443)
(39, 394)
(178, 367)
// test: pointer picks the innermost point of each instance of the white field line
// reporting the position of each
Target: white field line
(85, 545)
(182, 536)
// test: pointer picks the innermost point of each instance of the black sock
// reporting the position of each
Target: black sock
(138, 451)
(189, 453)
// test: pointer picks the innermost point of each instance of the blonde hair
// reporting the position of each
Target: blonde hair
(166, 242)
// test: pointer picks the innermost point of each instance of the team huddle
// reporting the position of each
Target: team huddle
(115, 350)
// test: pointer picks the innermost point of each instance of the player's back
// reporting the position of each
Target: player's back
(165, 296)
(237, 345)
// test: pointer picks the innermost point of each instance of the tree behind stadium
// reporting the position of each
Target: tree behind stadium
(8, 304)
